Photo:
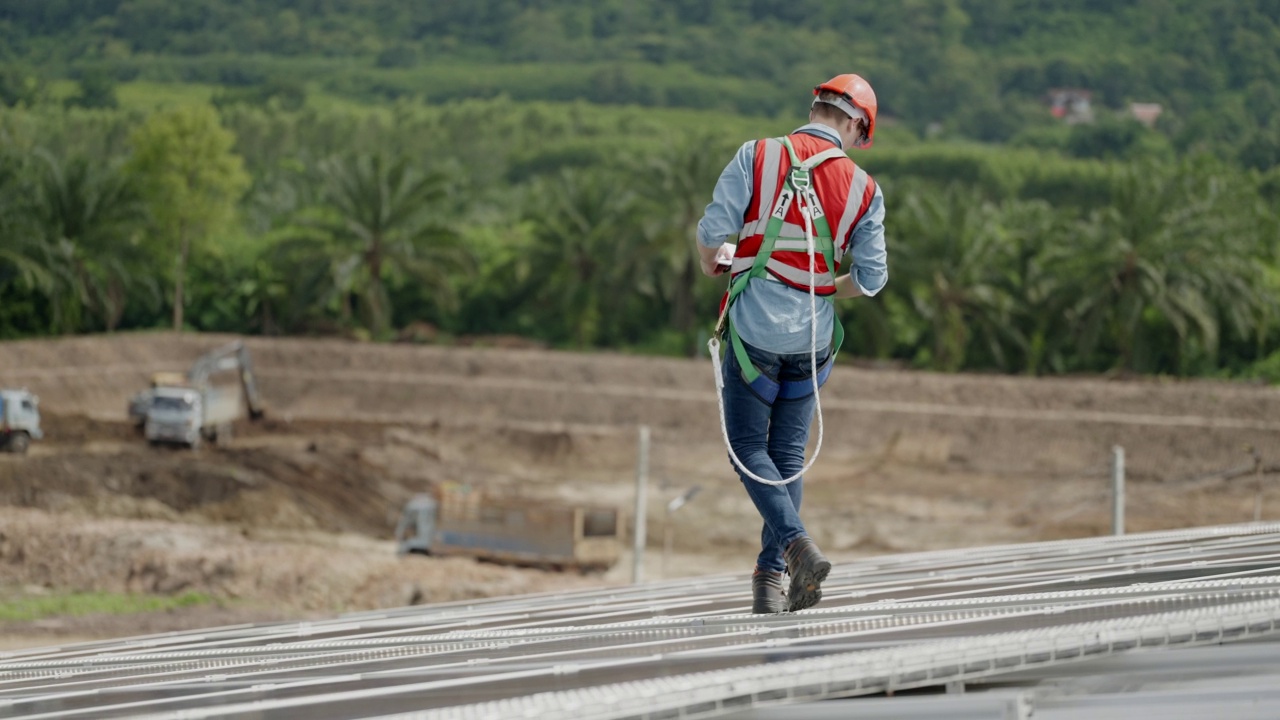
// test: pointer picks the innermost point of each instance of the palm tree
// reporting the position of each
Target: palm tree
(1168, 252)
(677, 185)
(31, 263)
(22, 256)
(89, 216)
(382, 216)
(948, 257)
(25, 260)
(583, 262)
(1038, 293)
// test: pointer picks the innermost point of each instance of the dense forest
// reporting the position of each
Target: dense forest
(975, 68)
(450, 169)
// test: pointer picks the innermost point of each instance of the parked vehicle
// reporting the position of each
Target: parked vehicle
(19, 420)
(188, 409)
(516, 531)
(141, 402)
(187, 416)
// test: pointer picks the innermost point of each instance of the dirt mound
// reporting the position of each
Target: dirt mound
(910, 461)
(1051, 427)
(328, 482)
(294, 571)
(353, 428)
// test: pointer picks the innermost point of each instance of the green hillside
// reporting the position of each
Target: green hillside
(979, 68)
(456, 168)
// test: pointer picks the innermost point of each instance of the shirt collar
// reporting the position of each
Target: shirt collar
(822, 131)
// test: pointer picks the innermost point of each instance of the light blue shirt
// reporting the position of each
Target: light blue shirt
(769, 314)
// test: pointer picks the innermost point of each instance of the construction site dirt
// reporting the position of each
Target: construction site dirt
(294, 516)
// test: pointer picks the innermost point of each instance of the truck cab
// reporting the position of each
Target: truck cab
(174, 415)
(186, 408)
(141, 402)
(19, 420)
(417, 526)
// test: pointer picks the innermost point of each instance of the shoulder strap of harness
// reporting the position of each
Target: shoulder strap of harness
(798, 182)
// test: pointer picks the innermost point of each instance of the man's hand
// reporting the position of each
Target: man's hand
(715, 261)
(846, 287)
(713, 269)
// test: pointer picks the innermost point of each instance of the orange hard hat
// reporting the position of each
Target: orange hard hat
(858, 93)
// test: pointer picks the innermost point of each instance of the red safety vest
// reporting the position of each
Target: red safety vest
(844, 191)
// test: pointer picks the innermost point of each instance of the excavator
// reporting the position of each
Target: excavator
(186, 409)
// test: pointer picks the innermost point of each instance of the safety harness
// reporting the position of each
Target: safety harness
(797, 187)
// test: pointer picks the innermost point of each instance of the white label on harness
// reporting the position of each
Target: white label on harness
(815, 207)
(783, 205)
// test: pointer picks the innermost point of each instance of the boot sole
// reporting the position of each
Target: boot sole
(806, 586)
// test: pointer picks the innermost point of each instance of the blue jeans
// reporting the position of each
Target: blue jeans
(770, 441)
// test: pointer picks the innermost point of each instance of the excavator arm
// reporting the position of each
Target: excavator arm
(250, 384)
(232, 356)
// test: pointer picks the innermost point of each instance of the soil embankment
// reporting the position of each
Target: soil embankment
(296, 511)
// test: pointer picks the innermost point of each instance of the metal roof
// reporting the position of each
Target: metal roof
(1036, 622)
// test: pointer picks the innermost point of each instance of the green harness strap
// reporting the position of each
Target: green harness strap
(797, 183)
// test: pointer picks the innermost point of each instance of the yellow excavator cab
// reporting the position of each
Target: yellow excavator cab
(168, 379)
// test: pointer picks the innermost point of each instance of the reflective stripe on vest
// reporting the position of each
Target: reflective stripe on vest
(861, 191)
(789, 262)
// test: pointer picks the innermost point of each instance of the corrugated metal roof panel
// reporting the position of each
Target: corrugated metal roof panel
(1035, 619)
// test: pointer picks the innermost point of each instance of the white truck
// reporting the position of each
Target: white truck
(187, 416)
(19, 420)
(189, 409)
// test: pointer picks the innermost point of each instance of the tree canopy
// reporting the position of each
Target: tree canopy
(456, 169)
(191, 180)
(975, 68)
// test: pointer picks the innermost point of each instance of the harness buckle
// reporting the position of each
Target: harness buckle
(799, 179)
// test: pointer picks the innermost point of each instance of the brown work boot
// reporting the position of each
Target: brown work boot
(808, 567)
(766, 593)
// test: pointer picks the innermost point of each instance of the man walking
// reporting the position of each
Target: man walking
(797, 207)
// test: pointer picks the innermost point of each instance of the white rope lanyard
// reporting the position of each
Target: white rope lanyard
(714, 346)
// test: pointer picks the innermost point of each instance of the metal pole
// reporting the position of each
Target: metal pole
(666, 545)
(1257, 495)
(1117, 491)
(1257, 472)
(642, 481)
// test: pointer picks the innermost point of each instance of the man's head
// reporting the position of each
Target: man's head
(847, 104)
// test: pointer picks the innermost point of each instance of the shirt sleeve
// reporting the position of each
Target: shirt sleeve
(870, 269)
(724, 215)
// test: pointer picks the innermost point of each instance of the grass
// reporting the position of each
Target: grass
(143, 95)
(440, 83)
(93, 603)
(153, 95)
(60, 90)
